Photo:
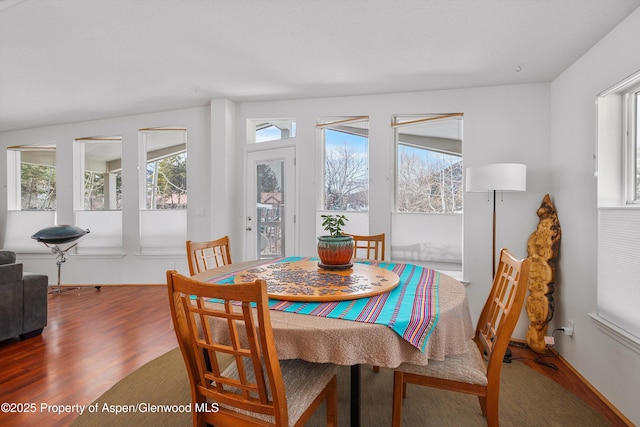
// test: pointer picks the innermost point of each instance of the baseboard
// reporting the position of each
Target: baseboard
(594, 390)
(583, 380)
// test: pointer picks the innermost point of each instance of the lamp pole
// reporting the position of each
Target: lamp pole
(493, 178)
(493, 247)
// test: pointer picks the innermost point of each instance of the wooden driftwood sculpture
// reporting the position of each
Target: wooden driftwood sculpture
(542, 248)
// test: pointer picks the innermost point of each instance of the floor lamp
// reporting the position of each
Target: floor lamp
(492, 178)
(60, 239)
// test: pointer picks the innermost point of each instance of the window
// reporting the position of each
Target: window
(99, 173)
(265, 130)
(632, 113)
(31, 195)
(166, 168)
(31, 173)
(97, 192)
(163, 190)
(428, 164)
(346, 163)
(618, 212)
(426, 226)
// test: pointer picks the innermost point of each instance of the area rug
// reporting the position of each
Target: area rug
(159, 391)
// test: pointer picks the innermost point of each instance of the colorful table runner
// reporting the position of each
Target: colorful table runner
(411, 309)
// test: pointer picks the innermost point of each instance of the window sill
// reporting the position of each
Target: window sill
(98, 255)
(621, 207)
(70, 255)
(170, 254)
(616, 333)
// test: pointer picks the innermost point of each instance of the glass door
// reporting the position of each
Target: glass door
(269, 222)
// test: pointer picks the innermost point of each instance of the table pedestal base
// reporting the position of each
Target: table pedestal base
(355, 396)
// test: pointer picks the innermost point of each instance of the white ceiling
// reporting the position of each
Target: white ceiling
(74, 60)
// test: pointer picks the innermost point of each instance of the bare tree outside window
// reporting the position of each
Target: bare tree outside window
(428, 181)
(429, 163)
(346, 177)
(95, 194)
(99, 162)
(167, 183)
(166, 168)
(93, 191)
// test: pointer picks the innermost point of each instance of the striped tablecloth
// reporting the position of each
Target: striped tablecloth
(411, 309)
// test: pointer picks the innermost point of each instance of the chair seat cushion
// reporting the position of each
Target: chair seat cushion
(468, 367)
(303, 381)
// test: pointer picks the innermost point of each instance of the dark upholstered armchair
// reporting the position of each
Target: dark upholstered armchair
(23, 300)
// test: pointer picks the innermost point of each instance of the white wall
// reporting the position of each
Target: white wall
(608, 365)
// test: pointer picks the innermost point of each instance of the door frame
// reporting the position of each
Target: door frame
(281, 152)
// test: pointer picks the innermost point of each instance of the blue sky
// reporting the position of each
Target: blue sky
(336, 139)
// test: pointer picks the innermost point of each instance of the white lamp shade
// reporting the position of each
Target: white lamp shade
(497, 176)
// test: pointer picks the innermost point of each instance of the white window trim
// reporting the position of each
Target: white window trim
(615, 332)
(631, 150)
(397, 123)
(155, 238)
(618, 220)
(13, 180)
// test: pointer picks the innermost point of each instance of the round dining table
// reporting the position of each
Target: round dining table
(353, 343)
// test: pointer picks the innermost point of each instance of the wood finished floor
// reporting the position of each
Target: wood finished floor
(94, 338)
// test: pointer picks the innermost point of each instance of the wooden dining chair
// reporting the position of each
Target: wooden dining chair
(203, 256)
(256, 388)
(467, 372)
(368, 247)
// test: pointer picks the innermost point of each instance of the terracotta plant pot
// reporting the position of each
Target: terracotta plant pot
(335, 250)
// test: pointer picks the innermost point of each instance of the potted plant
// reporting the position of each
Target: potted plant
(335, 249)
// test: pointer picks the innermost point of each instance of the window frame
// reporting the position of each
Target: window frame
(618, 219)
(398, 122)
(288, 129)
(162, 231)
(80, 172)
(331, 123)
(14, 173)
(632, 144)
(144, 162)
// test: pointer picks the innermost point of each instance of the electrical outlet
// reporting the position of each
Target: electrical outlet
(568, 330)
(548, 340)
